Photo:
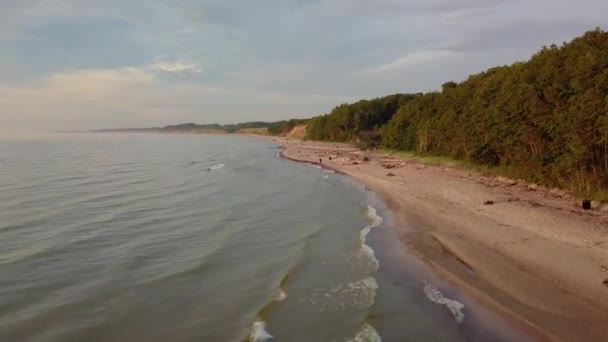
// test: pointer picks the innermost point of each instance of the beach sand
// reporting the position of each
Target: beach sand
(530, 254)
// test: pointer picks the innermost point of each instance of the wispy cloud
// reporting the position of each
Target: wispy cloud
(412, 59)
(176, 67)
(96, 62)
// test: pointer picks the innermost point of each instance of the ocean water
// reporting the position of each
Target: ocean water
(144, 237)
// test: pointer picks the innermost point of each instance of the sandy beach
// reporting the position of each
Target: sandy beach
(529, 253)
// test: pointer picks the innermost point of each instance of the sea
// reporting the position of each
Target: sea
(184, 237)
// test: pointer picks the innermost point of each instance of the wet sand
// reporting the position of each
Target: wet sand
(526, 252)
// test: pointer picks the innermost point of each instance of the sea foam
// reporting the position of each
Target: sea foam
(367, 333)
(436, 296)
(216, 167)
(376, 221)
(259, 333)
(281, 296)
(360, 294)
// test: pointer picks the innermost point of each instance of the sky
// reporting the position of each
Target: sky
(87, 64)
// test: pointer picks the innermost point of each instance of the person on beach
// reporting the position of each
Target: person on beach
(320, 161)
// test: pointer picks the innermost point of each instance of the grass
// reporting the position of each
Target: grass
(579, 186)
(443, 161)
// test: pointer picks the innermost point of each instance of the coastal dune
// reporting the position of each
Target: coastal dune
(528, 253)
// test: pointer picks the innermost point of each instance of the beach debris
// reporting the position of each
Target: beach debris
(532, 187)
(586, 204)
(488, 202)
(604, 268)
(390, 174)
(605, 282)
(557, 193)
(388, 166)
(506, 181)
(365, 159)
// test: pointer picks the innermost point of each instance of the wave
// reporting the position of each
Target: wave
(258, 329)
(259, 332)
(367, 333)
(215, 167)
(436, 296)
(372, 214)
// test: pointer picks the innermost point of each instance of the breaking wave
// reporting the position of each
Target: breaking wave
(376, 221)
(436, 296)
(259, 332)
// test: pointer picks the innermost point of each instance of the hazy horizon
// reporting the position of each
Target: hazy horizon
(78, 65)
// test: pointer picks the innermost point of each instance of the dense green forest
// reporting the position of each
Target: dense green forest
(544, 120)
(348, 122)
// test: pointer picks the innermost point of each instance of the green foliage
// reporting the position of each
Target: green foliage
(281, 127)
(544, 120)
(347, 121)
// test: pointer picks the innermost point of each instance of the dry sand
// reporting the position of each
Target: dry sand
(531, 254)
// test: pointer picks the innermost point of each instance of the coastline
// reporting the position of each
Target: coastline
(534, 258)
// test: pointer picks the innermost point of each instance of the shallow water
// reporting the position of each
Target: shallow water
(143, 237)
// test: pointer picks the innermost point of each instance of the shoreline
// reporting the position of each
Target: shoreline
(538, 262)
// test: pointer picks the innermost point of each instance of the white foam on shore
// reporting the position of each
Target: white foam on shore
(360, 294)
(259, 333)
(454, 306)
(281, 296)
(376, 221)
(367, 333)
(216, 167)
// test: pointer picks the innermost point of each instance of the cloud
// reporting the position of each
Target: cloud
(176, 67)
(135, 97)
(412, 59)
(236, 60)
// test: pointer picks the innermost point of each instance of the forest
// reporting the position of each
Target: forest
(271, 128)
(544, 120)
